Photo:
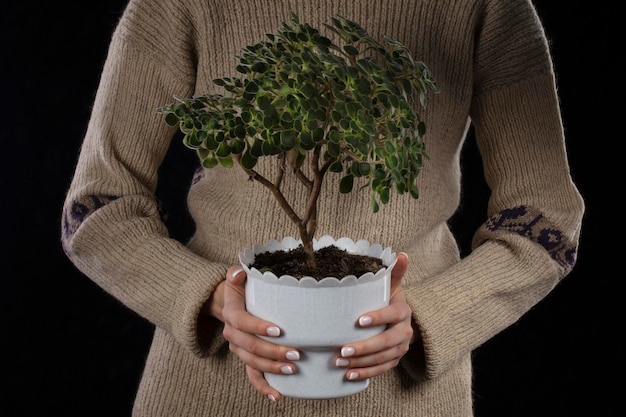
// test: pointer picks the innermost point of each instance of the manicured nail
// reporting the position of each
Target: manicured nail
(365, 321)
(341, 362)
(293, 355)
(273, 331)
(271, 397)
(286, 369)
(347, 351)
(353, 375)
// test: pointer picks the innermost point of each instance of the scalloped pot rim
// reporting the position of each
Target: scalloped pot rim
(361, 247)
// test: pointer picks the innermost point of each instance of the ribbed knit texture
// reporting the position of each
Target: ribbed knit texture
(492, 63)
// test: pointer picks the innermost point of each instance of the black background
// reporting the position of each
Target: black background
(69, 349)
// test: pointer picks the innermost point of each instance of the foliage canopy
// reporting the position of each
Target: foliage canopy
(300, 97)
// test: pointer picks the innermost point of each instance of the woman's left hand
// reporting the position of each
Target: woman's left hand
(378, 354)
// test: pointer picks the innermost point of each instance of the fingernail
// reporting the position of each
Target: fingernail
(293, 355)
(365, 321)
(404, 253)
(273, 331)
(347, 351)
(286, 369)
(237, 272)
(271, 397)
(340, 362)
(353, 375)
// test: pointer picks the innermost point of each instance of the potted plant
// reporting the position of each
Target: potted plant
(319, 109)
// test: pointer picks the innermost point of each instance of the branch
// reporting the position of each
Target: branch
(282, 201)
(310, 213)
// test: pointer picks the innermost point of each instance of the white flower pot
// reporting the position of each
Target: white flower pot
(318, 317)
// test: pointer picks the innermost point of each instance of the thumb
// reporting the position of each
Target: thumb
(398, 271)
(236, 278)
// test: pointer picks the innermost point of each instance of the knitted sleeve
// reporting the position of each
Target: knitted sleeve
(112, 228)
(529, 241)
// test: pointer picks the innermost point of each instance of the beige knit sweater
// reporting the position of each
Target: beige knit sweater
(491, 61)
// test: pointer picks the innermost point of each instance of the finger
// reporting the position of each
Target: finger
(234, 311)
(358, 374)
(398, 271)
(388, 358)
(258, 381)
(258, 346)
(396, 312)
(237, 278)
(395, 335)
(234, 291)
(380, 353)
(262, 364)
(241, 328)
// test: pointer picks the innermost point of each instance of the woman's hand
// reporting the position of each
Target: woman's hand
(241, 330)
(380, 353)
(365, 359)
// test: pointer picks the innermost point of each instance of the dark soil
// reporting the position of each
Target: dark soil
(331, 262)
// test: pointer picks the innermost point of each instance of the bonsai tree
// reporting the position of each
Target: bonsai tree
(305, 100)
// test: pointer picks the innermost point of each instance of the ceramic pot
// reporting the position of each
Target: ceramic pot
(318, 317)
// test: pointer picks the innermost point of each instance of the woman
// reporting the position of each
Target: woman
(492, 64)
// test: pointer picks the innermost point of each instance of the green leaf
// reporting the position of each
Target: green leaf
(375, 206)
(333, 149)
(354, 169)
(190, 140)
(317, 134)
(336, 166)
(299, 160)
(203, 153)
(246, 116)
(308, 90)
(243, 69)
(384, 195)
(268, 148)
(351, 50)
(237, 146)
(352, 109)
(364, 169)
(171, 119)
(391, 127)
(223, 150)
(346, 183)
(286, 117)
(226, 162)
(256, 149)
(240, 131)
(210, 143)
(263, 101)
(287, 139)
(259, 67)
(364, 87)
(391, 161)
(248, 161)
(209, 161)
(421, 128)
(270, 121)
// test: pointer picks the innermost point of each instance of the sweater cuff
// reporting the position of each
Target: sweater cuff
(188, 327)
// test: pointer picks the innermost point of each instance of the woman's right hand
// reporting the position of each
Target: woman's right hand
(241, 330)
